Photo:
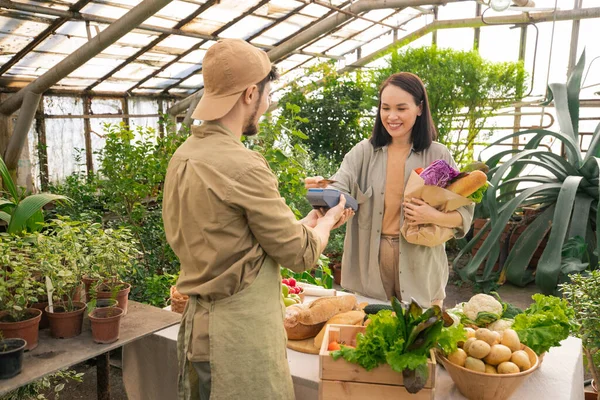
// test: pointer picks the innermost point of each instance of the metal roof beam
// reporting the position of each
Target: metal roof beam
(111, 34)
(320, 28)
(41, 37)
(31, 94)
(197, 46)
(420, 9)
(153, 43)
(327, 25)
(257, 34)
(524, 18)
(351, 14)
(76, 16)
(462, 23)
(22, 126)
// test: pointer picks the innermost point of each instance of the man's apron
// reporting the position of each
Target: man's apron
(248, 356)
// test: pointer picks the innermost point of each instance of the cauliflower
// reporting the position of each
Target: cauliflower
(482, 302)
(501, 325)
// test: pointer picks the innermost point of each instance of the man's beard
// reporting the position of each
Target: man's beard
(251, 127)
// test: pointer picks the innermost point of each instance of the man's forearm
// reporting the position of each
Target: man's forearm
(323, 229)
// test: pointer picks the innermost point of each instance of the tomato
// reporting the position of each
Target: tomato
(285, 282)
(333, 346)
(292, 282)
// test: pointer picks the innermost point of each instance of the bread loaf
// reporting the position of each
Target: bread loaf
(301, 331)
(304, 321)
(346, 318)
(469, 184)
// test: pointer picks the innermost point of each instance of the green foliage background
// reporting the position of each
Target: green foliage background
(308, 134)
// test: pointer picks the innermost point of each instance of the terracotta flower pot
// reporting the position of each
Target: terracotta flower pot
(11, 357)
(87, 283)
(105, 324)
(63, 324)
(591, 396)
(42, 306)
(122, 296)
(103, 303)
(337, 274)
(27, 330)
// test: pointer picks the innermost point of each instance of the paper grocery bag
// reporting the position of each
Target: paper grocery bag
(430, 235)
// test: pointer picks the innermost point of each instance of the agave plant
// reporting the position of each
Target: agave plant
(566, 196)
(22, 212)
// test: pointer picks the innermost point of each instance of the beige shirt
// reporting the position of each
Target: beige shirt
(394, 189)
(223, 215)
(423, 270)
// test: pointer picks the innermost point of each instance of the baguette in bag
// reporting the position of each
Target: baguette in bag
(444, 200)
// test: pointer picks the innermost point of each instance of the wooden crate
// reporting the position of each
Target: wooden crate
(343, 380)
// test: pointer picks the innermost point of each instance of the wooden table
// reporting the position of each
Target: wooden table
(52, 354)
(150, 371)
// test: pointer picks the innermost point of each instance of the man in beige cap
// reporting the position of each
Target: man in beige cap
(231, 229)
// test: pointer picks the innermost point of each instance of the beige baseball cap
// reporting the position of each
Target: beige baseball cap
(229, 67)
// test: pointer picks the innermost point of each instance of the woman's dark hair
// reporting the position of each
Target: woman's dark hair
(424, 132)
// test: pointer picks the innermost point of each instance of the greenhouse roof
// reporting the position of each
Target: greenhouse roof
(164, 54)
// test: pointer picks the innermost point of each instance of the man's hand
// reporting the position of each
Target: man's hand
(338, 215)
(417, 212)
(311, 218)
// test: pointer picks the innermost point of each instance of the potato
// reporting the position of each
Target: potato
(458, 357)
(468, 344)
(486, 335)
(511, 340)
(490, 369)
(470, 332)
(508, 367)
(478, 349)
(500, 336)
(498, 354)
(521, 360)
(475, 364)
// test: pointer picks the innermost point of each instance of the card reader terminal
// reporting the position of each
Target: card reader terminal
(328, 198)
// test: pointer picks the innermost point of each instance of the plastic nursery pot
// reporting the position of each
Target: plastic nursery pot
(103, 303)
(122, 296)
(105, 324)
(11, 357)
(27, 329)
(66, 324)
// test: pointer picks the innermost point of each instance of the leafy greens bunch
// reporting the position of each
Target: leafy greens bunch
(403, 339)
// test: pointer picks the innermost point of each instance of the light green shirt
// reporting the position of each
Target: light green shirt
(423, 270)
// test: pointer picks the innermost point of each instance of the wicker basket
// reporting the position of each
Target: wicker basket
(480, 386)
(178, 300)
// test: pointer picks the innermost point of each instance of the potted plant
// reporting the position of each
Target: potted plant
(105, 322)
(111, 256)
(583, 293)
(18, 290)
(11, 356)
(565, 193)
(60, 254)
(19, 211)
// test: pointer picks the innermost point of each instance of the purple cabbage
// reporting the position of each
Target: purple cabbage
(439, 173)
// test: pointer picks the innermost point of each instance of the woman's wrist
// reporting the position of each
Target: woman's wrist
(451, 219)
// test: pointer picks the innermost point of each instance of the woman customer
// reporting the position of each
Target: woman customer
(377, 261)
